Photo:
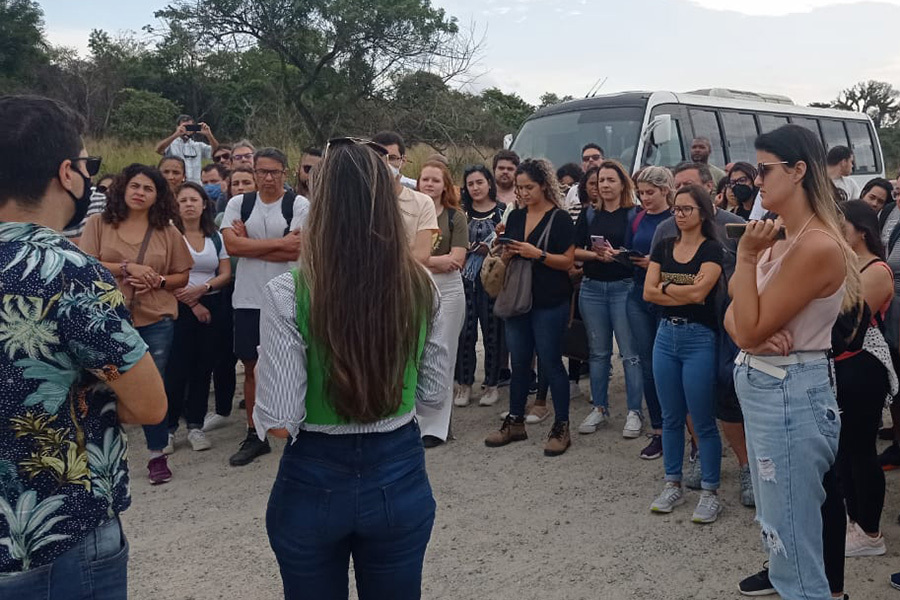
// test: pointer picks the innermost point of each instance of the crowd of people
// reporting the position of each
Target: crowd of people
(754, 302)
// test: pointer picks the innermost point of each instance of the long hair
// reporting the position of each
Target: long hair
(160, 214)
(879, 182)
(207, 217)
(704, 203)
(626, 199)
(583, 196)
(864, 220)
(661, 178)
(464, 191)
(449, 197)
(792, 144)
(355, 240)
(542, 173)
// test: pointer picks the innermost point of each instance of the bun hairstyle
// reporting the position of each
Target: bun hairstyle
(542, 173)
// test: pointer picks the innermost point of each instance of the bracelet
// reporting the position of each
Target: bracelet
(125, 268)
(209, 288)
(665, 285)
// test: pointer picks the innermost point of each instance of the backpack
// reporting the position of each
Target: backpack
(849, 330)
(287, 208)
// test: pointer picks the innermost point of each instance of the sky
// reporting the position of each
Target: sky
(808, 50)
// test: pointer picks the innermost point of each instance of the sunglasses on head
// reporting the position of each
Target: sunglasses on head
(91, 163)
(347, 141)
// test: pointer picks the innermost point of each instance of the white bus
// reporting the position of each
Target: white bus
(656, 128)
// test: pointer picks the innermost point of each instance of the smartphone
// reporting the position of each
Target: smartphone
(193, 128)
(599, 240)
(505, 240)
(734, 231)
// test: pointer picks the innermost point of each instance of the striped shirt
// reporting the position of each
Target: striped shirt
(281, 371)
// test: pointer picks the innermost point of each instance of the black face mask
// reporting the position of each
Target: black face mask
(742, 193)
(81, 204)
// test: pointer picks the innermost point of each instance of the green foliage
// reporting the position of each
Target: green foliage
(509, 110)
(878, 99)
(890, 146)
(22, 46)
(143, 115)
(549, 99)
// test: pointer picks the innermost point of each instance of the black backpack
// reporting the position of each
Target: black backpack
(850, 329)
(287, 208)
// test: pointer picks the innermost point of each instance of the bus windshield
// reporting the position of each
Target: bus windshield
(560, 137)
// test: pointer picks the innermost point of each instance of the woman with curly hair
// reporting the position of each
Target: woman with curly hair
(135, 239)
(543, 234)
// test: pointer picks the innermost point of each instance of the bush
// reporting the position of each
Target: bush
(142, 115)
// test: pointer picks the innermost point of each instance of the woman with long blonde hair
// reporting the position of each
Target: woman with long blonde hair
(787, 295)
(341, 373)
(447, 260)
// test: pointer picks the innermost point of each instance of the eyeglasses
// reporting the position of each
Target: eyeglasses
(592, 158)
(245, 156)
(222, 157)
(306, 168)
(683, 210)
(346, 141)
(762, 168)
(264, 173)
(91, 163)
(739, 181)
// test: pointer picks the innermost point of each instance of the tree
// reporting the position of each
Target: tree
(509, 109)
(22, 44)
(333, 53)
(549, 99)
(878, 99)
(143, 115)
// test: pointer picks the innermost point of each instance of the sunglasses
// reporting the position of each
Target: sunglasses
(592, 158)
(762, 168)
(306, 168)
(102, 188)
(347, 141)
(221, 157)
(91, 163)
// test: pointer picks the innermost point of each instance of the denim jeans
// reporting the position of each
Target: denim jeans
(158, 338)
(602, 305)
(96, 568)
(644, 320)
(361, 495)
(793, 427)
(684, 367)
(541, 330)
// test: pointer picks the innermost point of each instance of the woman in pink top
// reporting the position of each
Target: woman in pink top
(786, 298)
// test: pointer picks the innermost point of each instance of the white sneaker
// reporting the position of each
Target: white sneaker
(214, 421)
(463, 395)
(490, 396)
(860, 544)
(574, 390)
(708, 508)
(170, 446)
(671, 496)
(198, 440)
(634, 425)
(595, 419)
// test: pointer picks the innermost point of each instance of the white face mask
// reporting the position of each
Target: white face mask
(395, 170)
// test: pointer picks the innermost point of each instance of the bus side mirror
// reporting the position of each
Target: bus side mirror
(659, 130)
(507, 141)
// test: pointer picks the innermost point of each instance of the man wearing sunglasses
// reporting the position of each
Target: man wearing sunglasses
(73, 369)
(182, 145)
(591, 156)
(222, 156)
(310, 159)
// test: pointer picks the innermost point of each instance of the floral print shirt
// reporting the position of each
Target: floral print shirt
(64, 330)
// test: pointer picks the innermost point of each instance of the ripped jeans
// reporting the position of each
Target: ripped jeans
(792, 427)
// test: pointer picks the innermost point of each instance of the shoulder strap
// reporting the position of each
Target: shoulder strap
(247, 204)
(287, 209)
(140, 260)
(451, 213)
(545, 235)
(217, 242)
(637, 221)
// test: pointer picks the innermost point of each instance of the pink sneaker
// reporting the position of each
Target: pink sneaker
(159, 470)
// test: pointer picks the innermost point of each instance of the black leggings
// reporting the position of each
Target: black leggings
(479, 308)
(862, 386)
(224, 374)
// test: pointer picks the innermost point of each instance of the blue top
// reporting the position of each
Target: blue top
(64, 329)
(641, 240)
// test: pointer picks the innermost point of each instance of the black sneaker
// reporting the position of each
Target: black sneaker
(654, 449)
(503, 379)
(757, 585)
(251, 447)
(431, 441)
(890, 458)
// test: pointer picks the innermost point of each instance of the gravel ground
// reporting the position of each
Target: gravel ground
(511, 524)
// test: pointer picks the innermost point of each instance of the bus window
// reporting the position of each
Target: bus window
(672, 152)
(833, 134)
(768, 123)
(740, 135)
(807, 123)
(862, 147)
(706, 125)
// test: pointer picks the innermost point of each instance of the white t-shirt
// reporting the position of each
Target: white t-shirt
(418, 213)
(854, 192)
(193, 153)
(265, 222)
(206, 262)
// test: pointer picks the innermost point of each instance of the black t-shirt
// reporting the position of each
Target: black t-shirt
(683, 274)
(549, 287)
(611, 225)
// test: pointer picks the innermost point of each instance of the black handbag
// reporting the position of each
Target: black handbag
(575, 342)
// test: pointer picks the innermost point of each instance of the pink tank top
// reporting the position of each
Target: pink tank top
(811, 328)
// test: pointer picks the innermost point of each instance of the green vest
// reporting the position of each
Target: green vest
(319, 407)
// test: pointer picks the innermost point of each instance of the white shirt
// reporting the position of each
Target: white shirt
(265, 222)
(206, 262)
(193, 153)
(848, 185)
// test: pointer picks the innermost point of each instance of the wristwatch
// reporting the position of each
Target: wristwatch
(543, 256)
(162, 282)
(665, 285)
(208, 288)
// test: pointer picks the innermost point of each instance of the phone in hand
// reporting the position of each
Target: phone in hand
(505, 240)
(193, 128)
(598, 241)
(734, 231)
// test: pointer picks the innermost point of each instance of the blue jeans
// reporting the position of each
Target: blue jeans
(644, 320)
(96, 568)
(793, 428)
(602, 305)
(542, 330)
(684, 367)
(365, 496)
(158, 338)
